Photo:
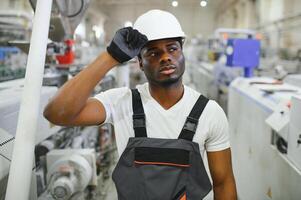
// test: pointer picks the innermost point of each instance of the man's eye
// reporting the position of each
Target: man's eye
(152, 54)
(172, 49)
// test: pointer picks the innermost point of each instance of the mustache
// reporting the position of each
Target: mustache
(166, 67)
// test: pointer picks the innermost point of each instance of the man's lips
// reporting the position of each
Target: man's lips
(168, 69)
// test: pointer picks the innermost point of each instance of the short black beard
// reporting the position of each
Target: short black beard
(170, 82)
(167, 83)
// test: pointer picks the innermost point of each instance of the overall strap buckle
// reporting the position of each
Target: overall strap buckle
(139, 121)
(192, 120)
(191, 124)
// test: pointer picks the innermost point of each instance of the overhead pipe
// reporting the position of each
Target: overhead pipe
(19, 180)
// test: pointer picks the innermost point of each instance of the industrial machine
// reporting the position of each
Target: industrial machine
(12, 63)
(15, 28)
(69, 161)
(69, 173)
(264, 119)
(231, 53)
(243, 53)
(294, 137)
(202, 78)
(10, 93)
(293, 79)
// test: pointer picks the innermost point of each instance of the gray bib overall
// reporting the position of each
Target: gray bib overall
(162, 169)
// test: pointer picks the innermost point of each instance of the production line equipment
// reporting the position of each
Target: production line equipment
(69, 161)
(233, 53)
(265, 133)
(10, 94)
(60, 55)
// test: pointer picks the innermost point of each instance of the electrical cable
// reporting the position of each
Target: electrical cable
(3, 143)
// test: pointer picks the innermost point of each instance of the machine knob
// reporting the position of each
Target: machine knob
(62, 188)
(60, 192)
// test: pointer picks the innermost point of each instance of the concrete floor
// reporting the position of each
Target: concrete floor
(111, 192)
(106, 189)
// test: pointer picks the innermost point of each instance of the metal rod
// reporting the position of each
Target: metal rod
(18, 186)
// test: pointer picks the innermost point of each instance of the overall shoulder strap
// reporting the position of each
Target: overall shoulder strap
(192, 120)
(138, 115)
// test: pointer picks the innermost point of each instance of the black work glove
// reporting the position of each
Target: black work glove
(126, 44)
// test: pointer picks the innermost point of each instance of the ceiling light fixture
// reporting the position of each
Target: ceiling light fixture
(174, 3)
(203, 3)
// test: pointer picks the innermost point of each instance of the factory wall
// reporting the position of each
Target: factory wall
(278, 20)
(235, 14)
(195, 20)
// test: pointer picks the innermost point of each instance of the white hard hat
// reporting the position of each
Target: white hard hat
(158, 24)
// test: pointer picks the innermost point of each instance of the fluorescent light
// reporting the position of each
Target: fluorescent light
(174, 3)
(128, 23)
(203, 3)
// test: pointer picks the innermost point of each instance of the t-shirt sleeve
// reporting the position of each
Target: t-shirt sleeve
(218, 138)
(104, 99)
(108, 98)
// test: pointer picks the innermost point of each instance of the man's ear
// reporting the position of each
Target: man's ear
(140, 63)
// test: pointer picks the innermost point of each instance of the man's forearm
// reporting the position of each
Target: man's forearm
(73, 95)
(225, 191)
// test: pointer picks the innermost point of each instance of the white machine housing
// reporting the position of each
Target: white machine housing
(294, 138)
(260, 170)
(279, 120)
(10, 96)
(70, 171)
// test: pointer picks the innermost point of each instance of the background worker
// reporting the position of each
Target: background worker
(166, 101)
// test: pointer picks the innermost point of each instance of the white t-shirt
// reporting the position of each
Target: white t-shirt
(211, 134)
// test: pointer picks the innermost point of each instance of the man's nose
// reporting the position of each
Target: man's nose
(165, 57)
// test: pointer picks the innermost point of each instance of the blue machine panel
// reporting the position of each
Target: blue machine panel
(243, 53)
(4, 50)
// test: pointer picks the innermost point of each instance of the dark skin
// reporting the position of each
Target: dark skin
(157, 58)
(163, 63)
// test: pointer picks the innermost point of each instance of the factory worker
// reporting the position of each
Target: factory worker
(162, 127)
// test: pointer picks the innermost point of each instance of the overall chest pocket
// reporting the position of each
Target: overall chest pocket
(164, 171)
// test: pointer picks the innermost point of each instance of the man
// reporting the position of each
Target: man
(163, 127)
